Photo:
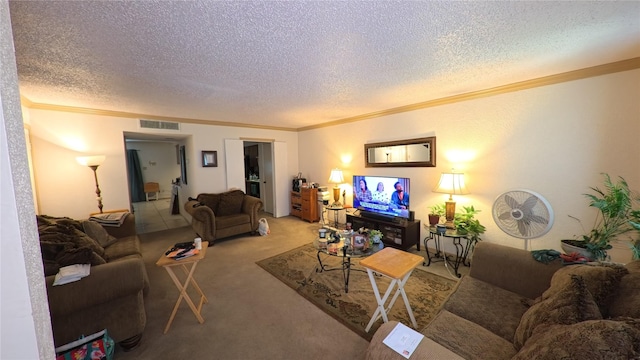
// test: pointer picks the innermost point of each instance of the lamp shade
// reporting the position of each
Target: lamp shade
(95, 160)
(336, 176)
(452, 184)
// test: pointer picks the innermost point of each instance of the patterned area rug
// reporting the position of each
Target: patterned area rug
(298, 269)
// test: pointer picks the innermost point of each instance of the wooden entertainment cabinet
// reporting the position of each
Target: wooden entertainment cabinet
(396, 232)
(304, 204)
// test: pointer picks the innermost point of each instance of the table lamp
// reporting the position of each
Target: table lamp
(336, 178)
(93, 162)
(452, 184)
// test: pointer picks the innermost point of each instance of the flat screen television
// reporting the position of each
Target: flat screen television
(383, 195)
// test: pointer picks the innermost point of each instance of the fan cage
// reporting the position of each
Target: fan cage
(522, 229)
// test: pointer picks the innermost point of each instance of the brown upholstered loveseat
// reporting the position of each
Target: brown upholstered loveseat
(112, 296)
(513, 307)
(216, 216)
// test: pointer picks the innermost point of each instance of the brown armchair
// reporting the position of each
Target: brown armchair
(216, 216)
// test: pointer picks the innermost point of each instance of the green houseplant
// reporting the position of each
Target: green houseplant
(635, 224)
(437, 212)
(375, 236)
(466, 224)
(614, 203)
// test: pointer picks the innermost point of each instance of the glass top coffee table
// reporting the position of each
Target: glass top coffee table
(350, 245)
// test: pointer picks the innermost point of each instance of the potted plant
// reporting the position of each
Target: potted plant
(615, 214)
(466, 224)
(635, 224)
(437, 212)
(375, 236)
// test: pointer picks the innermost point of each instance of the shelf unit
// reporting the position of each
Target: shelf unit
(397, 232)
(304, 204)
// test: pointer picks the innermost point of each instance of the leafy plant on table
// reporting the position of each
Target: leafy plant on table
(373, 234)
(466, 224)
(438, 210)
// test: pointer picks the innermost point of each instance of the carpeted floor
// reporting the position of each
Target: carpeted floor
(298, 269)
(250, 314)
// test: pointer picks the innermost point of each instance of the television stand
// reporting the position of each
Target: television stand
(399, 233)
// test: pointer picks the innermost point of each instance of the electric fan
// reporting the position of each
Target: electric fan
(524, 214)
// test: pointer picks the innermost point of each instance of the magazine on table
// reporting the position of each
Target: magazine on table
(179, 254)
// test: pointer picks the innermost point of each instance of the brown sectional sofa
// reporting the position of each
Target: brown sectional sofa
(513, 307)
(112, 296)
(216, 216)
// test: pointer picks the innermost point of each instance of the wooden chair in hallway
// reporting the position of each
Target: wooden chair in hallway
(152, 187)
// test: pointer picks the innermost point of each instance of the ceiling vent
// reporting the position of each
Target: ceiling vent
(160, 125)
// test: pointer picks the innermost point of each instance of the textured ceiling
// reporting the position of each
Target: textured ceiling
(296, 64)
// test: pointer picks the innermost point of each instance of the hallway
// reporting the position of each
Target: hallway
(156, 216)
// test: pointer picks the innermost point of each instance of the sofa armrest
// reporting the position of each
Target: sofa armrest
(203, 220)
(128, 228)
(512, 269)
(105, 283)
(252, 205)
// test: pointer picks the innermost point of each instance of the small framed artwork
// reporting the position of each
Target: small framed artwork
(209, 159)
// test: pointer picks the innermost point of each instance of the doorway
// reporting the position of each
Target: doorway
(258, 172)
(157, 162)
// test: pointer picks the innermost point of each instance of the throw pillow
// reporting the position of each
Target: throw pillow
(211, 200)
(230, 203)
(601, 280)
(571, 305)
(594, 339)
(98, 233)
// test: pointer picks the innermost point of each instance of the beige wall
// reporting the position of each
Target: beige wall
(65, 188)
(555, 140)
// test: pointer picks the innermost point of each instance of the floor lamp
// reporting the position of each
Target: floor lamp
(452, 184)
(93, 162)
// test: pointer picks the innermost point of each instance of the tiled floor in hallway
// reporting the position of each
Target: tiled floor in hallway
(155, 216)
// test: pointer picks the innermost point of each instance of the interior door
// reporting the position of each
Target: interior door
(267, 177)
(281, 179)
(234, 163)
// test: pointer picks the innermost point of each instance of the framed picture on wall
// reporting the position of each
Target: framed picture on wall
(209, 159)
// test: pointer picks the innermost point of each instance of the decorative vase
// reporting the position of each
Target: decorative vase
(434, 219)
(568, 246)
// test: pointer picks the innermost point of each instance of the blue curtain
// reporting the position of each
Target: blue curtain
(136, 184)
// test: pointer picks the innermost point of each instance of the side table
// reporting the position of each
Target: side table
(461, 251)
(169, 264)
(398, 266)
(336, 214)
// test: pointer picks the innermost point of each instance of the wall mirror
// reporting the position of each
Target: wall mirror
(403, 153)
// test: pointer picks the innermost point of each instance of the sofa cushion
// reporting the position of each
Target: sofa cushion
(223, 222)
(230, 203)
(129, 245)
(594, 339)
(467, 339)
(626, 301)
(601, 280)
(210, 200)
(570, 305)
(491, 307)
(98, 233)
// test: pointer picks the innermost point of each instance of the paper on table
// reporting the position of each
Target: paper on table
(403, 340)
